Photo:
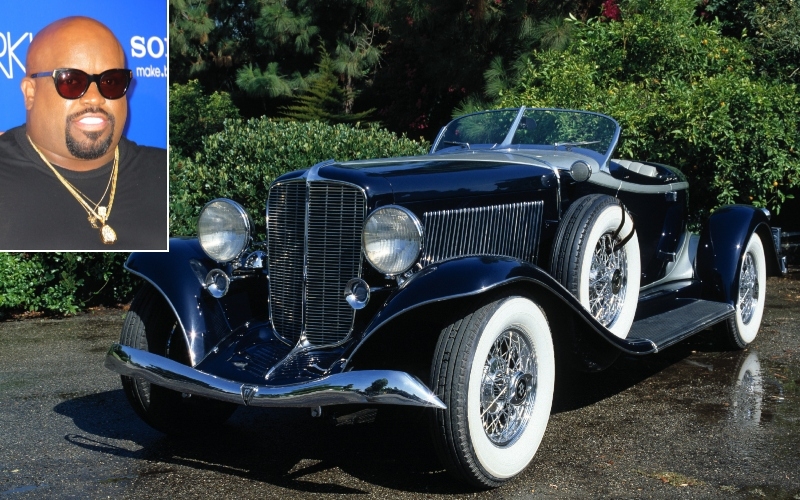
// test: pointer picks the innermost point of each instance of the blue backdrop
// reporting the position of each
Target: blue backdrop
(140, 26)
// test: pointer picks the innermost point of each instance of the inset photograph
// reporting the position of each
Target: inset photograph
(83, 116)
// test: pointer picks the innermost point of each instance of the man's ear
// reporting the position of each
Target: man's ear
(28, 92)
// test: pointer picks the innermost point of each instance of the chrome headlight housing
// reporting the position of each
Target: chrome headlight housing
(223, 229)
(392, 239)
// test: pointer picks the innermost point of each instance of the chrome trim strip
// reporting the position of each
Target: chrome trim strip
(513, 130)
(312, 174)
(354, 387)
(483, 231)
(604, 179)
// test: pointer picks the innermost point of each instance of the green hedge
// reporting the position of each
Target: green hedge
(239, 163)
(684, 95)
(243, 159)
(194, 115)
(62, 283)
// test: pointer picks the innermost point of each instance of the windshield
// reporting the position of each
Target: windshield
(532, 128)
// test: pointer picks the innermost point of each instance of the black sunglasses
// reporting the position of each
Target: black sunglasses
(73, 83)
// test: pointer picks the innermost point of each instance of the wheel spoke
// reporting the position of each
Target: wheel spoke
(748, 288)
(510, 362)
(605, 303)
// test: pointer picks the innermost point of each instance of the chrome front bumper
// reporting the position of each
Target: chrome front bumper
(354, 387)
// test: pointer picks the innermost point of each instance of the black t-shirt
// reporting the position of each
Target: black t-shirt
(38, 213)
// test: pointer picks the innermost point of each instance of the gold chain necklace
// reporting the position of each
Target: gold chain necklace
(98, 215)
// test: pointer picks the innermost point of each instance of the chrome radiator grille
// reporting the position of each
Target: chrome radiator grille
(314, 233)
(504, 230)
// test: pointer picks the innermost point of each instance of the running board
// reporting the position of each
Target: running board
(668, 328)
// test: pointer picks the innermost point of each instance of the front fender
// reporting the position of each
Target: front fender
(722, 242)
(178, 275)
(470, 276)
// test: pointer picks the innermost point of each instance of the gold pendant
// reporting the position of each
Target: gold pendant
(108, 235)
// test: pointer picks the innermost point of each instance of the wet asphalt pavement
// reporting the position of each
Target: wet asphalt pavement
(691, 422)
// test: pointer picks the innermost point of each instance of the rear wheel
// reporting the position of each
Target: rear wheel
(150, 325)
(494, 368)
(743, 327)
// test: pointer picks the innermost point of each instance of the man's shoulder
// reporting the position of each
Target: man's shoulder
(143, 155)
(10, 149)
(136, 149)
(9, 138)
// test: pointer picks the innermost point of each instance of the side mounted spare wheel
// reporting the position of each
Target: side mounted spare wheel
(494, 368)
(596, 257)
(150, 325)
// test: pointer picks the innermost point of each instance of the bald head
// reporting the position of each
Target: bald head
(78, 134)
(50, 43)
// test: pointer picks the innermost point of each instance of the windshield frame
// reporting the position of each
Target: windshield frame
(507, 144)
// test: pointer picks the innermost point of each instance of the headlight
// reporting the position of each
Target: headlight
(223, 229)
(392, 239)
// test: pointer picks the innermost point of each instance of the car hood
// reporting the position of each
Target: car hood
(455, 175)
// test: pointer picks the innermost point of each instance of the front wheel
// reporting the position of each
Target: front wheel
(150, 325)
(494, 369)
(743, 327)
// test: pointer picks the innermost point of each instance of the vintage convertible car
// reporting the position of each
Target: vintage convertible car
(461, 281)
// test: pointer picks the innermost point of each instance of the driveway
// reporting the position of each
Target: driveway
(689, 422)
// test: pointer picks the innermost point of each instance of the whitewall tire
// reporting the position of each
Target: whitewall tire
(596, 257)
(751, 290)
(495, 370)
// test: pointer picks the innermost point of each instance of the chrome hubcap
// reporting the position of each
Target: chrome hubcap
(608, 280)
(748, 288)
(508, 387)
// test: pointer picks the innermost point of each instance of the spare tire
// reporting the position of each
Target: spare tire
(596, 257)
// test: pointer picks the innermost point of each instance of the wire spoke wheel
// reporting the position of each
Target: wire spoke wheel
(494, 368)
(596, 257)
(508, 387)
(608, 280)
(742, 328)
(748, 288)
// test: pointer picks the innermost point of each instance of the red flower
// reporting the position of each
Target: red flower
(610, 10)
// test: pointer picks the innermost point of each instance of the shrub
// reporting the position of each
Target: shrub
(684, 95)
(193, 115)
(62, 283)
(243, 159)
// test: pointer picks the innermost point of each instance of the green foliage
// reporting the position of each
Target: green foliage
(242, 160)
(412, 60)
(684, 95)
(193, 115)
(770, 29)
(324, 101)
(62, 283)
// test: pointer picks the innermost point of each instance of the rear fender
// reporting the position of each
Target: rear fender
(722, 243)
(472, 276)
(178, 275)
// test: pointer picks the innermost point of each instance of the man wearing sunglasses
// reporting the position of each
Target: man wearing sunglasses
(68, 179)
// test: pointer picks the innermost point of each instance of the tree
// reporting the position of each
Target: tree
(684, 94)
(324, 100)
(412, 60)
